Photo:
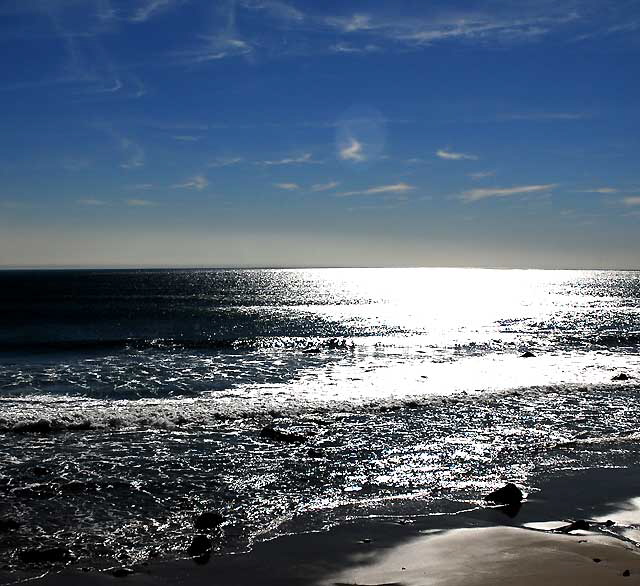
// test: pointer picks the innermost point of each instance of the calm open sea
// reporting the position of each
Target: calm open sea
(132, 400)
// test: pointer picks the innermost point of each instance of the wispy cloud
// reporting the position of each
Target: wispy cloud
(351, 48)
(198, 182)
(354, 23)
(138, 202)
(134, 152)
(352, 151)
(603, 190)
(277, 10)
(396, 188)
(481, 174)
(86, 62)
(631, 201)
(140, 186)
(305, 158)
(187, 138)
(91, 202)
(478, 194)
(214, 48)
(439, 26)
(225, 161)
(324, 186)
(287, 186)
(151, 8)
(533, 116)
(451, 156)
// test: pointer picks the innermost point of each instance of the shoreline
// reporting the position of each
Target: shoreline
(478, 546)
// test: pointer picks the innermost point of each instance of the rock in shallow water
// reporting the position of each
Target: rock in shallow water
(44, 555)
(7, 524)
(122, 572)
(201, 545)
(208, 520)
(269, 432)
(621, 376)
(509, 494)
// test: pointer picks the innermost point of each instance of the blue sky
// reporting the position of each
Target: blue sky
(267, 133)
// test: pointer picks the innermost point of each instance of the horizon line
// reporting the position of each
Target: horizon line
(125, 267)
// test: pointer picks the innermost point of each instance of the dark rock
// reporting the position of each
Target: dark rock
(122, 572)
(621, 376)
(597, 560)
(208, 520)
(269, 432)
(39, 471)
(609, 523)
(528, 354)
(580, 525)
(312, 453)
(412, 404)
(201, 545)
(626, 573)
(511, 510)
(509, 494)
(44, 555)
(311, 351)
(7, 524)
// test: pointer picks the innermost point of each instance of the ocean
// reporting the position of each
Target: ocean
(133, 400)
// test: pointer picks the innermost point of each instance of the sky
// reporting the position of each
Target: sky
(337, 133)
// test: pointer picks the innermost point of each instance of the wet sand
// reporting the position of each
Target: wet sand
(483, 546)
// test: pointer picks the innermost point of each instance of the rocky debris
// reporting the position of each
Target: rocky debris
(44, 555)
(272, 433)
(8, 524)
(621, 376)
(528, 354)
(208, 520)
(626, 573)
(122, 572)
(200, 546)
(509, 494)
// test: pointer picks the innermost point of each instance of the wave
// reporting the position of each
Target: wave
(304, 344)
(51, 415)
(619, 340)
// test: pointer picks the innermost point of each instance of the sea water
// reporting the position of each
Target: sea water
(132, 400)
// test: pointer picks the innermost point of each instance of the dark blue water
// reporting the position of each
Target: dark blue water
(132, 400)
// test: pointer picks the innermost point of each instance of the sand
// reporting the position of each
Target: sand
(499, 555)
(396, 555)
(476, 548)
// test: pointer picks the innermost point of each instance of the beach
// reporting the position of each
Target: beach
(482, 546)
(339, 419)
